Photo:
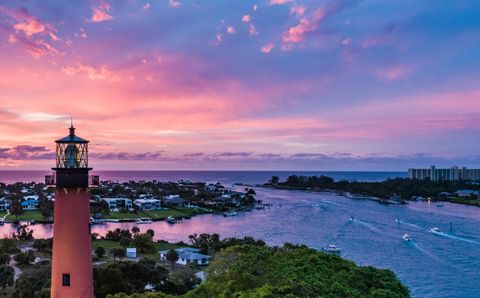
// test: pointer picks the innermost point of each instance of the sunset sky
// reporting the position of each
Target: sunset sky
(260, 85)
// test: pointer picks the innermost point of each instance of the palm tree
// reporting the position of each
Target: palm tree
(172, 257)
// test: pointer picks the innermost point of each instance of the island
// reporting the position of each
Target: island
(128, 201)
(393, 191)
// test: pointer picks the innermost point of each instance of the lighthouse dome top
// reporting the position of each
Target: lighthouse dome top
(71, 138)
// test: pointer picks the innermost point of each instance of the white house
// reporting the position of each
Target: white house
(187, 255)
(118, 203)
(4, 204)
(148, 204)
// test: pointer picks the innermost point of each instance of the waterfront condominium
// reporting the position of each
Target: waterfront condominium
(453, 173)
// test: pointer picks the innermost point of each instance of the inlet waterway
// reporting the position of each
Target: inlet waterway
(443, 264)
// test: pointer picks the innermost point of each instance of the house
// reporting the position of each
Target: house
(148, 204)
(467, 192)
(131, 253)
(4, 204)
(173, 200)
(30, 204)
(187, 255)
(115, 204)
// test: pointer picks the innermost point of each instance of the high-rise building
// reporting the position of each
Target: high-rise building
(454, 173)
(72, 247)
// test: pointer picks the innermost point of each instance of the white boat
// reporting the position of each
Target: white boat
(352, 219)
(407, 237)
(397, 220)
(333, 249)
(434, 230)
(143, 221)
(230, 213)
(171, 219)
(96, 221)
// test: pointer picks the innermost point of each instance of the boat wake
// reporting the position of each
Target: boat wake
(457, 238)
(404, 223)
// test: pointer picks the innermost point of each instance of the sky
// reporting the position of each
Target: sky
(242, 85)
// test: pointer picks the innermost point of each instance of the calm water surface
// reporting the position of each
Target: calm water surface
(443, 265)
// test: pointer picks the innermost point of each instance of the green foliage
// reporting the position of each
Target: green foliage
(135, 230)
(100, 251)
(16, 208)
(7, 275)
(24, 258)
(8, 245)
(4, 258)
(172, 257)
(182, 281)
(23, 233)
(151, 233)
(128, 277)
(43, 244)
(141, 295)
(293, 271)
(144, 243)
(45, 206)
(33, 283)
(117, 253)
(118, 234)
(211, 243)
(125, 242)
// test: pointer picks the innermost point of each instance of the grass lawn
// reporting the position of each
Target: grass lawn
(157, 214)
(27, 215)
(108, 244)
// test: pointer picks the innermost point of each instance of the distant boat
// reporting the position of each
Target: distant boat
(351, 219)
(407, 237)
(397, 220)
(230, 213)
(143, 221)
(333, 249)
(96, 221)
(434, 230)
(171, 220)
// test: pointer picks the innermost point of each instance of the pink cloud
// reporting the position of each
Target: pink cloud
(307, 25)
(394, 73)
(231, 30)
(267, 48)
(174, 3)
(94, 73)
(100, 13)
(146, 6)
(252, 30)
(246, 18)
(278, 2)
(297, 10)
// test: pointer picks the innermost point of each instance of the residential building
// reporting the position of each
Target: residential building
(148, 204)
(173, 200)
(187, 255)
(115, 204)
(30, 204)
(131, 252)
(454, 173)
(467, 192)
(4, 204)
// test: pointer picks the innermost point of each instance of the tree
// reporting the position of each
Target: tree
(25, 258)
(172, 257)
(117, 253)
(24, 233)
(151, 233)
(143, 242)
(100, 251)
(118, 234)
(34, 282)
(125, 242)
(183, 281)
(43, 244)
(45, 206)
(135, 230)
(8, 245)
(7, 275)
(16, 208)
(4, 258)
(274, 180)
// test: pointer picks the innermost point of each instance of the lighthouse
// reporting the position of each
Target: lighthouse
(72, 244)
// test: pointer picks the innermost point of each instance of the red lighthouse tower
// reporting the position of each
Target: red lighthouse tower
(72, 246)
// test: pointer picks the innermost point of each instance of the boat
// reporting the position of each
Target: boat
(351, 219)
(230, 213)
(434, 230)
(96, 221)
(143, 221)
(171, 220)
(397, 220)
(333, 249)
(2, 221)
(407, 237)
